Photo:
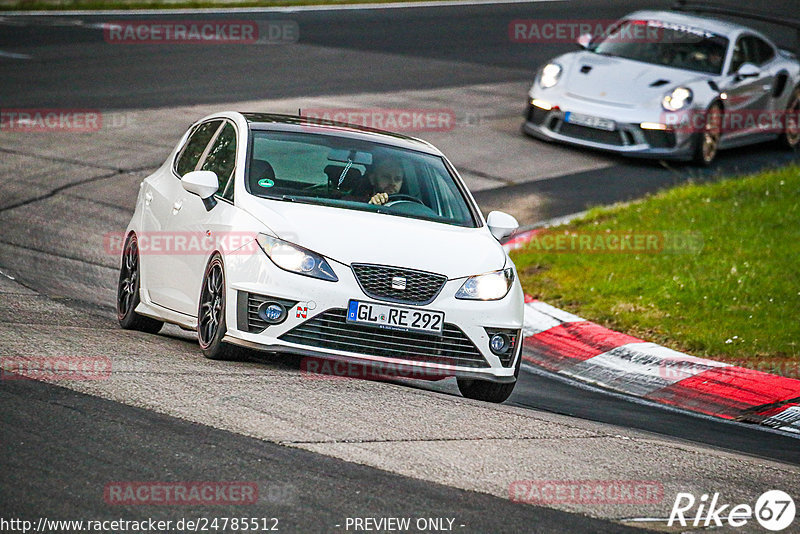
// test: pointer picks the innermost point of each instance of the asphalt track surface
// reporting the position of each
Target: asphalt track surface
(418, 49)
(57, 443)
(469, 45)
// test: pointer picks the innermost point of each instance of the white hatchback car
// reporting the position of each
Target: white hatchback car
(330, 241)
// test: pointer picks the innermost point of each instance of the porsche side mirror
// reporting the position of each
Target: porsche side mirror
(203, 184)
(501, 224)
(584, 40)
(747, 70)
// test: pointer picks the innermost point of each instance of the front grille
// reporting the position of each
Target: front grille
(536, 115)
(591, 134)
(659, 138)
(376, 281)
(330, 330)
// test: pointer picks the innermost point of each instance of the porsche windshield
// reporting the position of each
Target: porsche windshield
(354, 174)
(661, 43)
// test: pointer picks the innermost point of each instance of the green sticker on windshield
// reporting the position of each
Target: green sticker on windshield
(266, 182)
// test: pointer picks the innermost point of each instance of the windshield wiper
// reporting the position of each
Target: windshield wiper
(304, 200)
(285, 198)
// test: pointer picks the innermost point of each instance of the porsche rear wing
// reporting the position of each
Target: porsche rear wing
(699, 7)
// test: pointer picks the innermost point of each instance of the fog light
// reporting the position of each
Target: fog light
(498, 343)
(272, 312)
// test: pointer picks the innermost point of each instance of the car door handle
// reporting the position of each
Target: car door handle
(177, 206)
(148, 198)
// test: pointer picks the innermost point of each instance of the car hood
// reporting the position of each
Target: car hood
(351, 236)
(622, 82)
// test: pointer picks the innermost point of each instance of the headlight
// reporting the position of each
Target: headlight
(550, 75)
(679, 98)
(489, 286)
(295, 259)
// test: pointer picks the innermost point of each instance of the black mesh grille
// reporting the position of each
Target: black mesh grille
(591, 134)
(330, 330)
(659, 138)
(536, 115)
(376, 281)
(254, 322)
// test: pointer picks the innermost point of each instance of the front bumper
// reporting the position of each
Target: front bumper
(627, 137)
(315, 325)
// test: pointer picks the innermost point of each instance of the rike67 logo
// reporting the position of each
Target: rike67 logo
(774, 510)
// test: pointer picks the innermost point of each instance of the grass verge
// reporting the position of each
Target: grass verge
(710, 269)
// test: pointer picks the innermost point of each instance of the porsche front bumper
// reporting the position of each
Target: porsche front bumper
(627, 136)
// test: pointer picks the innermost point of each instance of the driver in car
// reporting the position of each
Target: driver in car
(385, 178)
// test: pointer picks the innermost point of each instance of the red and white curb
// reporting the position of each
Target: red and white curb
(569, 345)
(572, 346)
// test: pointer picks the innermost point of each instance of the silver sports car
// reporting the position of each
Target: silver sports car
(668, 85)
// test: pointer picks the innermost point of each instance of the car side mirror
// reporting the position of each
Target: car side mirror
(203, 184)
(584, 40)
(747, 70)
(501, 224)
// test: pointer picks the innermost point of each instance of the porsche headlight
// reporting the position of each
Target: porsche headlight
(550, 75)
(489, 286)
(296, 259)
(679, 98)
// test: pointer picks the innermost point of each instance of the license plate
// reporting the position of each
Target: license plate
(591, 122)
(395, 317)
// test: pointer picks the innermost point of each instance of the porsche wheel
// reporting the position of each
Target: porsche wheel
(211, 313)
(128, 292)
(707, 143)
(790, 138)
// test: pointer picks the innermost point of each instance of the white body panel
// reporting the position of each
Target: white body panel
(171, 282)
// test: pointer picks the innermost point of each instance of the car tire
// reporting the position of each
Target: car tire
(484, 390)
(790, 138)
(707, 141)
(128, 291)
(211, 326)
(487, 391)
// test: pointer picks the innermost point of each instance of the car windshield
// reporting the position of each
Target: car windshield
(348, 173)
(661, 43)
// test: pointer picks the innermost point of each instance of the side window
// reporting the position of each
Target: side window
(751, 49)
(765, 51)
(742, 53)
(221, 158)
(195, 146)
